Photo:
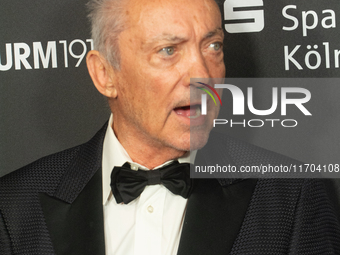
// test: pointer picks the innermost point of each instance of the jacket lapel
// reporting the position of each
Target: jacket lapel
(77, 228)
(214, 216)
(216, 208)
(74, 212)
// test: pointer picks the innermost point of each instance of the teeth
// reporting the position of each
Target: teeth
(197, 113)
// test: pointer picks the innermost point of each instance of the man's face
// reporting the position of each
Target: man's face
(166, 43)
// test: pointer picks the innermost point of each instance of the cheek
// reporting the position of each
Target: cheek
(160, 85)
(216, 66)
(222, 70)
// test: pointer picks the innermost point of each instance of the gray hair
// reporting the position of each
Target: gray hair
(107, 22)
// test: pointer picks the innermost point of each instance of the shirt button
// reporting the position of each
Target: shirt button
(150, 209)
(134, 167)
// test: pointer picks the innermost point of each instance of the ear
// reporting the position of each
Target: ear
(102, 74)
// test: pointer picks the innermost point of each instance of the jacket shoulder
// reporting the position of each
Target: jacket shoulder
(43, 174)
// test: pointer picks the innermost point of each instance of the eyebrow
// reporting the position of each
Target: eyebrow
(167, 37)
(217, 31)
(174, 38)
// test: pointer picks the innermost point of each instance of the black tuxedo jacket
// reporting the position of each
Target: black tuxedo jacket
(54, 206)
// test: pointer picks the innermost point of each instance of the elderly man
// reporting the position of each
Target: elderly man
(73, 202)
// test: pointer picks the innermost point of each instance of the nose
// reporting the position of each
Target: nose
(196, 66)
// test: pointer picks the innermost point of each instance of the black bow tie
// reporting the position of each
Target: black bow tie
(127, 184)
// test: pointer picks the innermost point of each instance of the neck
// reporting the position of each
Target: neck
(145, 152)
(152, 158)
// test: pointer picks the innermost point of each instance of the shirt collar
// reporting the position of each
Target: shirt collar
(114, 154)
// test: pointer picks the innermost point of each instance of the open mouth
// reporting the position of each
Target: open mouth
(190, 111)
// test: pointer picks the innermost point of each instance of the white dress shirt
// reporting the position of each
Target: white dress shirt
(152, 223)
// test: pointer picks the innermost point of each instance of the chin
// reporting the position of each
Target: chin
(180, 144)
(195, 141)
(198, 139)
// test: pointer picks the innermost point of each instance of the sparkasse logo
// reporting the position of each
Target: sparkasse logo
(243, 16)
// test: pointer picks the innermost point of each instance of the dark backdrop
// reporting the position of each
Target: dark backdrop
(50, 105)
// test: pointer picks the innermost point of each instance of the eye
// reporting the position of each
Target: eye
(216, 46)
(167, 51)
